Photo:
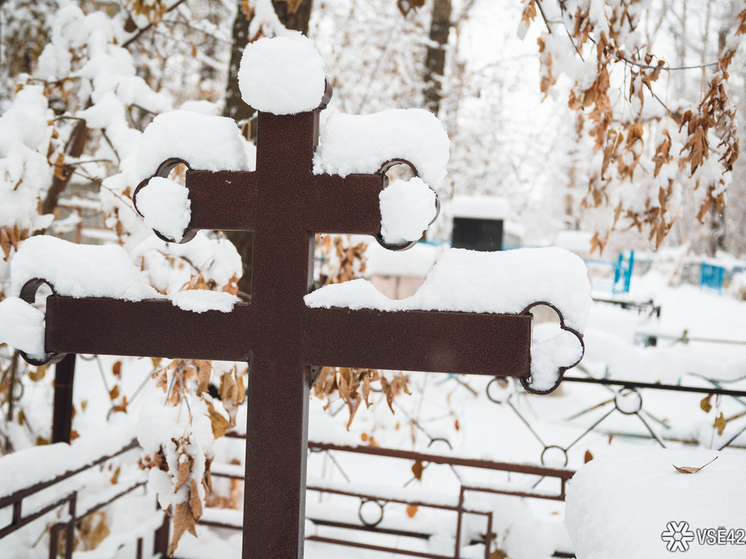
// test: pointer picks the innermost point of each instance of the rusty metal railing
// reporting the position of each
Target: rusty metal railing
(70, 500)
(460, 507)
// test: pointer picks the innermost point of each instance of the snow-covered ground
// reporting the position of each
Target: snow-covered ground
(506, 425)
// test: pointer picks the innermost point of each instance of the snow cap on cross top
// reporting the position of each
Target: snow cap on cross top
(282, 75)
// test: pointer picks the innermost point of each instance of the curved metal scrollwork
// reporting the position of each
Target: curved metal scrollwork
(164, 169)
(28, 294)
(382, 171)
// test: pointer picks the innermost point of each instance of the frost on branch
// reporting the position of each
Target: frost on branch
(649, 156)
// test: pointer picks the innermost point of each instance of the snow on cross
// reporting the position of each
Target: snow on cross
(287, 331)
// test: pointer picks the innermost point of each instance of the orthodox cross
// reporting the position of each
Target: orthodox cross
(285, 204)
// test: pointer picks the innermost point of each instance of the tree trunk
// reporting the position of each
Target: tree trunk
(435, 60)
(294, 15)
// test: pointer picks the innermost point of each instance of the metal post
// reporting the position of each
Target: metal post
(12, 383)
(62, 419)
(70, 535)
(160, 542)
(457, 551)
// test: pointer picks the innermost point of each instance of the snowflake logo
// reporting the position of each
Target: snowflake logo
(677, 536)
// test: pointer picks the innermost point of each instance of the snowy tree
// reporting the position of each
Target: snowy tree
(648, 152)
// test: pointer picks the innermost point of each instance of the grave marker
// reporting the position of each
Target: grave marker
(285, 204)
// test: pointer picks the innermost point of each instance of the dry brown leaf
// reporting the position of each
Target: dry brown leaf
(92, 530)
(204, 368)
(162, 379)
(5, 244)
(240, 389)
(185, 469)
(114, 392)
(705, 403)
(588, 457)
(227, 388)
(232, 285)
(207, 479)
(457, 425)
(417, 469)
(690, 470)
(411, 511)
(220, 424)
(183, 521)
(38, 374)
(720, 423)
(59, 167)
(353, 404)
(366, 389)
(697, 145)
(116, 369)
(529, 13)
(195, 501)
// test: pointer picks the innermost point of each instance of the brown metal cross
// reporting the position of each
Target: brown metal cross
(285, 205)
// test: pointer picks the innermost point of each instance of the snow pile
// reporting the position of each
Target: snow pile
(363, 143)
(91, 271)
(480, 207)
(417, 261)
(214, 257)
(165, 207)
(24, 171)
(282, 75)
(201, 300)
(482, 282)
(609, 512)
(22, 326)
(209, 143)
(42, 463)
(547, 357)
(79, 270)
(407, 208)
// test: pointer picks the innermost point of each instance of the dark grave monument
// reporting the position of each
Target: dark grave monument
(284, 341)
